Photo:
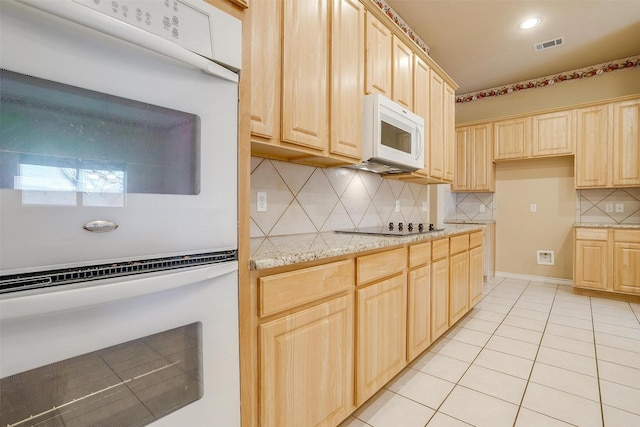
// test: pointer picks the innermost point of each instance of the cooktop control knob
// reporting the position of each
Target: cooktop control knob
(410, 227)
(390, 226)
(400, 226)
(421, 227)
(431, 227)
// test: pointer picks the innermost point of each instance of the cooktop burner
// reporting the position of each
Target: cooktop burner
(393, 230)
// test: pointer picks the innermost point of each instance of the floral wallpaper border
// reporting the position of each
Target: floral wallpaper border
(581, 73)
(400, 23)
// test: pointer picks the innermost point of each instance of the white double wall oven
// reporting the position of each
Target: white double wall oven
(118, 213)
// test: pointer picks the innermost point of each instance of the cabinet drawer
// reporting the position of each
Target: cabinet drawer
(630, 236)
(591, 233)
(440, 249)
(419, 254)
(475, 239)
(459, 244)
(383, 264)
(293, 288)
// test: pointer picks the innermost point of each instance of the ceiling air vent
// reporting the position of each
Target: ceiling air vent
(548, 44)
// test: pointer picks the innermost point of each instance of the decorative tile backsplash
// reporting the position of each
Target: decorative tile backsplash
(608, 206)
(469, 206)
(306, 199)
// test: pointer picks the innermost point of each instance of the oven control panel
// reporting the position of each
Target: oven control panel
(174, 20)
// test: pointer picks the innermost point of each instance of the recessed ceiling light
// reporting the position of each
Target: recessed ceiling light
(529, 23)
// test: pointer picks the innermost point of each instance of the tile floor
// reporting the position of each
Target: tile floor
(529, 354)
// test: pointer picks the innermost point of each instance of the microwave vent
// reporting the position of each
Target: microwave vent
(548, 44)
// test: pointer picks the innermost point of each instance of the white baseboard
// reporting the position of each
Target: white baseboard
(532, 278)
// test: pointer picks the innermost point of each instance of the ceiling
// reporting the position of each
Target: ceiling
(478, 43)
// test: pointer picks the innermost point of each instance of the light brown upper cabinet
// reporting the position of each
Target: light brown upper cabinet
(475, 170)
(512, 139)
(626, 143)
(402, 81)
(437, 128)
(265, 22)
(540, 135)
(305, 73)
(307, 80)
(378, 57)
(449, 120)
(608, 145)
(347, 78)
(421, 101)
(594, 134)
(553, 134)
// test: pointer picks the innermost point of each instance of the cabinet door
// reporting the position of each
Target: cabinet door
(306, 361)
(347, 78)
(482, 177)
(305, 57)
(476, 266)
(512, 139)
(458, 286)
(462, 178)
(626, 262)
(593, 147)
(419, 311)
(437, 127)
(265, 67)
(402, 73)
(449, 132)
(382, 334)
(378, 57)
(626, 143)
(590, 265)
(421, 100)
(439, 298)
(553, 133)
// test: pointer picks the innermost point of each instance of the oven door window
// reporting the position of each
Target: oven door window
(129, 384)
(63, 145)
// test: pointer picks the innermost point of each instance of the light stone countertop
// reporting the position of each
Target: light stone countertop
(278, 251)
(604, 225)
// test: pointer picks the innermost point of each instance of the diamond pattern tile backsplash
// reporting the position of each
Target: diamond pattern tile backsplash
(470, 206)
(609, 206)
(306, 199)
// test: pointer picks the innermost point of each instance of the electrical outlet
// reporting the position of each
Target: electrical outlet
(261, 205)
(397, 205)
(533, 208)
(608, 207)
(619, 207)
(482, 208)
(424, 206)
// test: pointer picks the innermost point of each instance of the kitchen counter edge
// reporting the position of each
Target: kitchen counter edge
(279, 251)
(601, 225)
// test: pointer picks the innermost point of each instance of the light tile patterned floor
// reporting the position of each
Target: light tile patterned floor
(530, 354)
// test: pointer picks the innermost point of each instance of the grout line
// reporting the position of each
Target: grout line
(534, 359)
(595, 351)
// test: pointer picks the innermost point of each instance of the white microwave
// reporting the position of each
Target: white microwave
(393, 137)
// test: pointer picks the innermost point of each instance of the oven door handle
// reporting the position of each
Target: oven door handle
(90, 18)
(109, 290)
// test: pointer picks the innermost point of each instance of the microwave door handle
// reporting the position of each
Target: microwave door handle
(95, 20)
(421, 141)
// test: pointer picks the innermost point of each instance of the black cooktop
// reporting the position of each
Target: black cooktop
(398, 230)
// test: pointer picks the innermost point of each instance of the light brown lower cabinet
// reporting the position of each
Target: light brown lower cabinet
(607, 259)
(439, 288)
(318, 340)
(459, 278)
(381, 334)
(306, 366)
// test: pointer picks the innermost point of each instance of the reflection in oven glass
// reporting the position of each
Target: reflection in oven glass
(69, 146)
(129, 384)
